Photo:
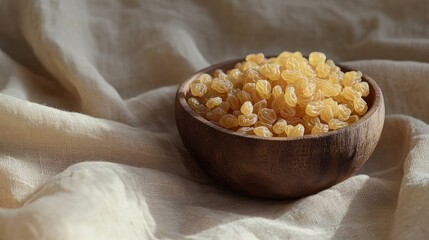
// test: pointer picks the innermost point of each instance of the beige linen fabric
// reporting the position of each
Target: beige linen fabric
(88, 143)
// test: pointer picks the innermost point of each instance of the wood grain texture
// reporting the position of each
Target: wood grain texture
(279, 167)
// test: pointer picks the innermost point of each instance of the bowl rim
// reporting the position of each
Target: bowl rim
(180, 96)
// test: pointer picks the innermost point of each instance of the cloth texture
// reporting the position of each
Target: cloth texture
(89, 147)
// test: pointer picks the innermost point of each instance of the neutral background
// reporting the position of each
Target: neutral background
(88, 143)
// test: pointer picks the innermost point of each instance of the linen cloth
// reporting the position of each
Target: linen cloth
(88, 143)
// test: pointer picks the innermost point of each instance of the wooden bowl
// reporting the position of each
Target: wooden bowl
(278, 167)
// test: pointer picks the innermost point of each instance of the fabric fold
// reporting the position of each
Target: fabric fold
(89, 147)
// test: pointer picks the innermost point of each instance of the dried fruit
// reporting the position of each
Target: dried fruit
(335, 124)
(246, 108)
(213, 102)
(215, 114)
(283, 96)
(228, 121)
(296, 131)
(221, 86)
(247, 120)
(316, 58)
(290, 96)
(263, 87)
(198, 89)
(259, 105)
(262, 131)
(314, 108)
(267, 115)
(280, 126)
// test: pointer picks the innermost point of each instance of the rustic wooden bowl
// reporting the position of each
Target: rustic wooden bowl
(278, 167)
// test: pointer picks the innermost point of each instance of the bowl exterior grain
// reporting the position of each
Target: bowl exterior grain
(279, 167)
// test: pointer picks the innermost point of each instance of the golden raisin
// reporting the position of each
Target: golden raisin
(246, 130)
(244, 96)
(271, 71)
(249, 87)
(267, 125)
(262, 131)
(221, 86)
(213, 102)
(198, 89)
(296, 131)
(267, 115)
(276, 91)
(316, 58)
(282, 96)
(335, 124)
(256, 58)
(193, 103)
(280, 126)
(233, 101)
(320, 128)
(205, 79)
(343, 112)
(290, 96)
(259, 105)
(362, 88)
(215, 114)
(314, 108)
(263, 87)
(247, 108)
(228, 121)
(323, 70)
(247, 120)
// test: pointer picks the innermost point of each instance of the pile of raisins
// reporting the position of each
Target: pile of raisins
(284, 96)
